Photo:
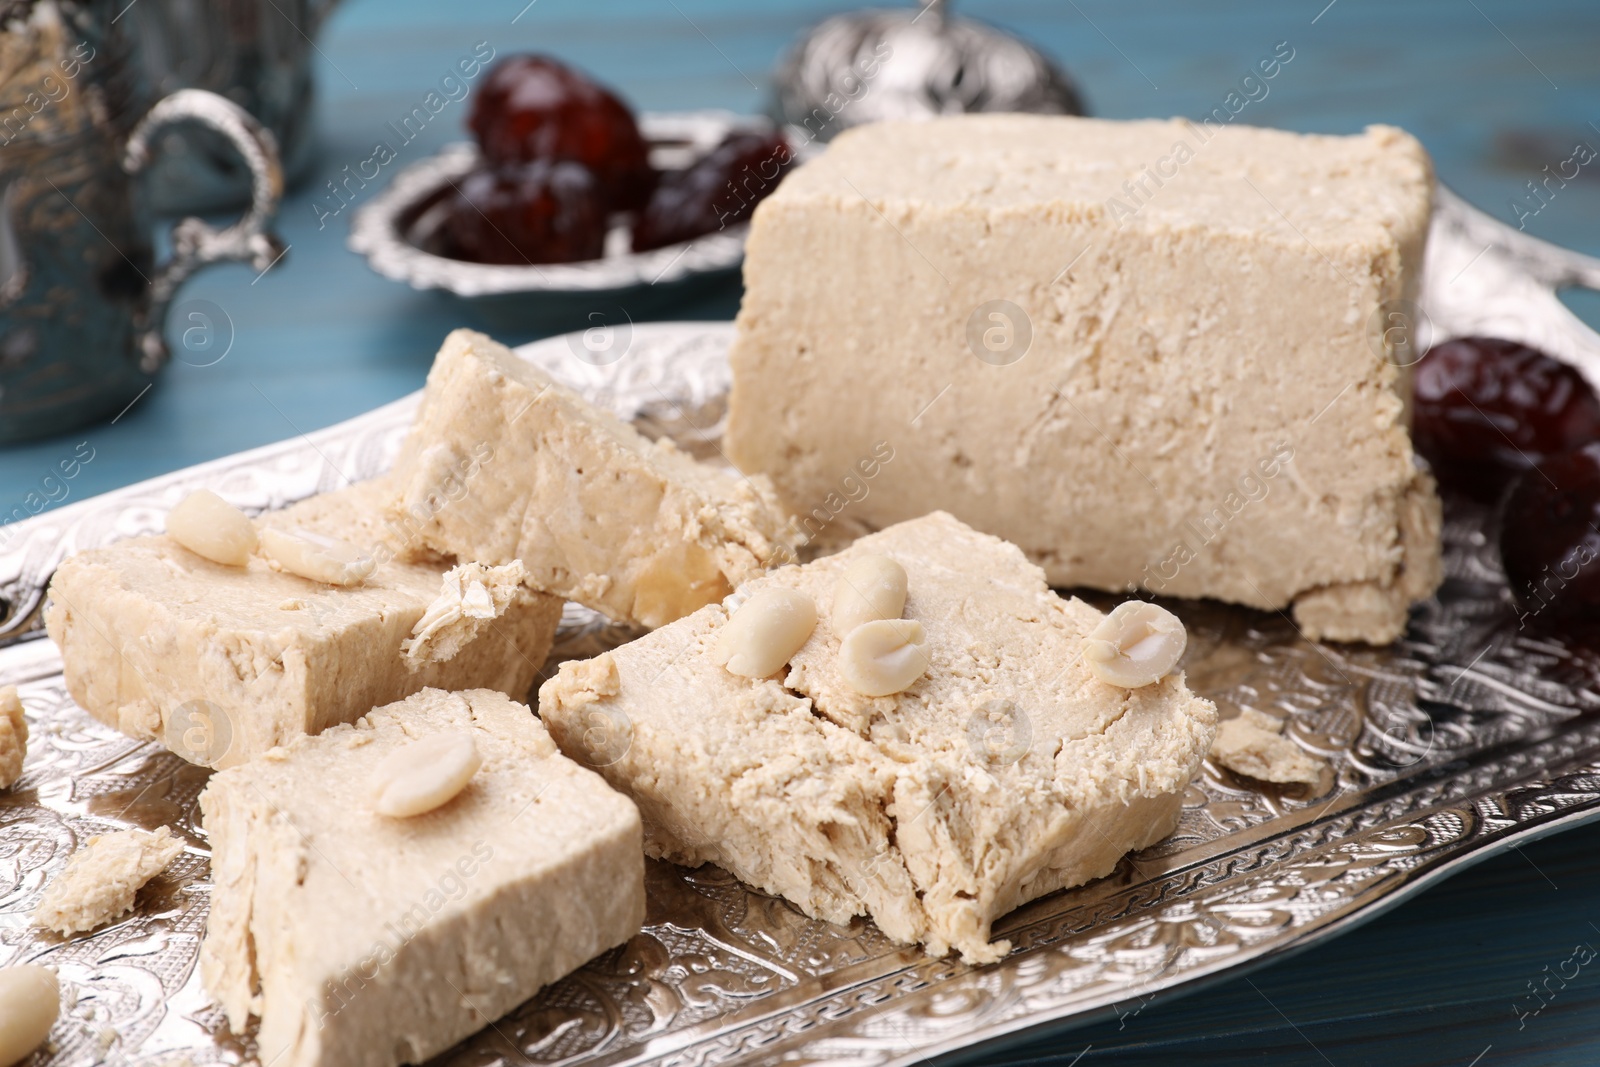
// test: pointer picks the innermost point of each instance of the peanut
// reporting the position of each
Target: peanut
(321, 559)
(884, 656)
(1136, 645)
(873, 587)
(30, 1000)
(209, 526)
(424, 774)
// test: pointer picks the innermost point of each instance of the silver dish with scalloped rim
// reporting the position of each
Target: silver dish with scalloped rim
(1465, 738)
(393, 229)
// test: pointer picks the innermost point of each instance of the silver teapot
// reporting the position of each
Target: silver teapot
(258, 54)
(83, 297)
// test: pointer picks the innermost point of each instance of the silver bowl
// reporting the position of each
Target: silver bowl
(392, 229)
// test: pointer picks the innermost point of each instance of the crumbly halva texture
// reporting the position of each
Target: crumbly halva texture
(1006, 772)
(222, 663)
(361, 940)
(13, 736)
(1188, 388)
(471, 597)
(102, 879)
(1252, 743)
(598, 513)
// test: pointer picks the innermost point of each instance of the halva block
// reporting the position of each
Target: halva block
(597, 513)
(1152, 354)
(221, 663)
(1006, 770)
(362, 939)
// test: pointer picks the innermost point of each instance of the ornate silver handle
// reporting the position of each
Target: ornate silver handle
(195, 243)
(1486, 278)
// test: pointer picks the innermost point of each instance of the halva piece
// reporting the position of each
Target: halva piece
(1152, 354)
(13, 736)
(363, 939)
(1252, 744)
(471, 597)
(1004, 772)
(102, 879)
(221, 663)
(597, 513)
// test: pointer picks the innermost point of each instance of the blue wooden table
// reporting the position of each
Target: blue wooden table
(1496, 89)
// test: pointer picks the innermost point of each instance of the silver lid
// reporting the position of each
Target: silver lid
(868, 66)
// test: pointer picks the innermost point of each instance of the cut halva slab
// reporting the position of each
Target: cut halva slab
(1007, 771)
(596, 512)
(364, 940)
(221, 663)
(1151, 354)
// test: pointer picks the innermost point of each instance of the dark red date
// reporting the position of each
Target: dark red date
(720, 189)
(1486, 409)
(529, 213)
(1550, 537)
(533, 107)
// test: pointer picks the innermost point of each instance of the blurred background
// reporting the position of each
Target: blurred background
(297, 335)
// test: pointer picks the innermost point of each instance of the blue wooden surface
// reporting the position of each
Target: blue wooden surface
(1495, 89)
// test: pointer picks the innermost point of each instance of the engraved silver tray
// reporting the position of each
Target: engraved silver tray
(1463, 739)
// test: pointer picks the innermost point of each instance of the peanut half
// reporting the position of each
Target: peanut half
(424, 774)
(765, 632)
(321, 559)
(873, 587)
(1136, 645)
(209, 526)
(884, 656)
(30, 1000)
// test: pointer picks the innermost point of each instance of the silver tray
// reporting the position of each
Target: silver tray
(1463, 739)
